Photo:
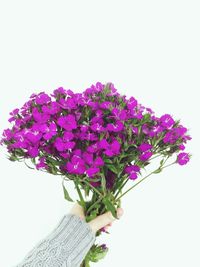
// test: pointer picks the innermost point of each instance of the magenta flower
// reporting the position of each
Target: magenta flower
(97, 127)
(132, 171)
(84, 128)
(145, 156)
(105, 105)
(68, 136)
(183, 158)
(67, 122)
(14, 114)
(33, 136)
(132, 103)
(33, 152)
(103, 144)
(76, 165)
(167, 121)
(61, 145)
(92, 171)
(51, 108)
(181, 147)
(42, 98)
(40, 117)
(113, 149)
(77, 152)
(144, 147)
(98, 162)
(119, 114)
(68, 103)
(48, 131)
(117, 127)
(93, 148)
(88, 158)
(41, 164)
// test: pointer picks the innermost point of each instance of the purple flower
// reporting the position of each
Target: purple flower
(144, 147)
(68, 136)
(33, 152)
(145, 156)
(51, 109)
(183, 158)
(41, 164)
(7, 134)
(93, 148)
(104, 247)
(61, 145)
(132, 103)
(98, 162)
(84, 128)
(119, 126)
(92, 171)
(42, 98)
(67, 122)
(59, 91)
(48, 131)
(88, 158)
(167, 121)
(33, 136)
(87, 136)
(40, 117)
(132, 171)
(97, 127)
(103, 144)
(119, 114)
(174, 134)
(77, 152)
(105, 105)
(181, 147)
(68, 103)
(113, 149)
(14, 114)
(76, 165)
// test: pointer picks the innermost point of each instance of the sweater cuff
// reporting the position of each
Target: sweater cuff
(67, 245)
(80, 240)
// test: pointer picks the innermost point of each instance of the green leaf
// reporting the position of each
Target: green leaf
(66, 194)
(110, 207)
(112, 168)
(161, 162)
(103, 182)
(158, 170)
(108, 161)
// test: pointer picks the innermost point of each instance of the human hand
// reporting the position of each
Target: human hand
(102, 221)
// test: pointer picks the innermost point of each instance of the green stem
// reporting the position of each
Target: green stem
(93, 205)
(85, 181)
(121, 187)
(80, 194)
(141, 181)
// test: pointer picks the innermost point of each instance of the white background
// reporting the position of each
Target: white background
(148, 49)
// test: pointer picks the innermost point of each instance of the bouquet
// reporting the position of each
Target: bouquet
(99, 140)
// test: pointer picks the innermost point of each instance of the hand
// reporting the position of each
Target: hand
(102, 221)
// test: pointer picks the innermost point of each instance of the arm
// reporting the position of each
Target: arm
(70, 241)
(66, 245)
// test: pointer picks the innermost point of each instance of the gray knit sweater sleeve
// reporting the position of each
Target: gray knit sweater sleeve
(65, 246)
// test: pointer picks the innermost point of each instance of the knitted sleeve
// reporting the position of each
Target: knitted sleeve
(65, 246)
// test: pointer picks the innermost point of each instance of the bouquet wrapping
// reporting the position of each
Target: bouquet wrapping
(100, 140)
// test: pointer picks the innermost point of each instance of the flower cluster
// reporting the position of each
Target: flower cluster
(97, 138)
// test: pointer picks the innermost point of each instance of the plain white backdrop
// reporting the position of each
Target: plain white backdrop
(148, 49)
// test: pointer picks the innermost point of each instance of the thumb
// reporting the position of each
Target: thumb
(103, 220)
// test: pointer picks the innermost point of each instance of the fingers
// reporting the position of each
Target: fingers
(78, 211)
(104, 220)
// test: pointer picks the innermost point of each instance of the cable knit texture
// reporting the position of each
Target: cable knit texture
(66, 246)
